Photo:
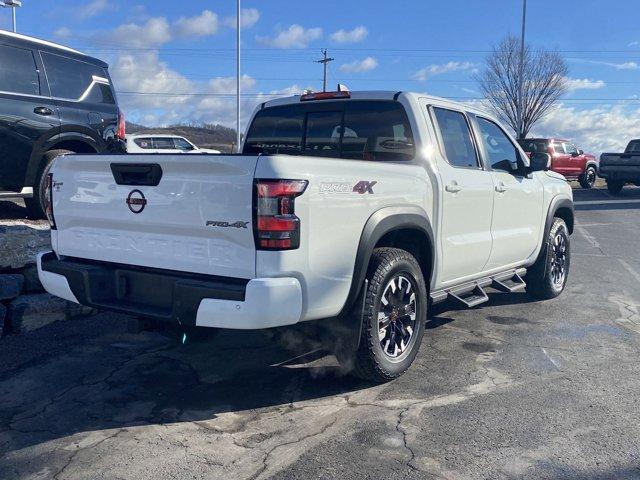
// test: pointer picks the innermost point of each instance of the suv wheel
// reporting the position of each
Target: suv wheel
(547, 278)
(394, 314)
(614, 186)
(588, 178)
(35, 205)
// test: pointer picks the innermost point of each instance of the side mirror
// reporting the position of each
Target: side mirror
(539, 162)
(580, 152)
(575, 154)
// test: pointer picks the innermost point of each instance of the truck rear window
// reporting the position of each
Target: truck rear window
(534, 146)
(359, 129)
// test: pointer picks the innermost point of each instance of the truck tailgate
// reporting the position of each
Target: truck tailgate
(198, 218)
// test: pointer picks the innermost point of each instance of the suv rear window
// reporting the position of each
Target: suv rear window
(18, 73)
(375, 130)
(143, 143)
(70, 78)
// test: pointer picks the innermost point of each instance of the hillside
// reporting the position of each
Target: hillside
(204, 136)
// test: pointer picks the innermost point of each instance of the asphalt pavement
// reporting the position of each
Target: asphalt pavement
(512, 389)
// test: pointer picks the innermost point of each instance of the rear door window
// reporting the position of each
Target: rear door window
(18, 71)
(70, 78)
(359, 130)
(456, 138)
(558, 147)
(163, 143)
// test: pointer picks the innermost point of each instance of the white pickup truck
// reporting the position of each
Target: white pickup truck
(358, 209)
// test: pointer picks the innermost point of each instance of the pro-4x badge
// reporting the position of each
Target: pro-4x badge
(364, 186)
(238, 224)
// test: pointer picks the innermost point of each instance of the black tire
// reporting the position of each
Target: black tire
(35, 205)
(588, 178)
(543, 280)
(614, 186)
(370, 362)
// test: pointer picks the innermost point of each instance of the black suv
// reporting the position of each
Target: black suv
(53, 100)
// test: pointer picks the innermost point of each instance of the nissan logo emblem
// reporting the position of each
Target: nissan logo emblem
(136, 201)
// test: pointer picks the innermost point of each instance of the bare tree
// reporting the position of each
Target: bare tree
(544, 81)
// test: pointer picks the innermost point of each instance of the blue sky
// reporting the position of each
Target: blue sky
(161, 49)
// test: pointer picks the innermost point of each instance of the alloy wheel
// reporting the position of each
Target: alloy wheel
(397, 316)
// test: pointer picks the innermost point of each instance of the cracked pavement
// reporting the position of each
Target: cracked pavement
(512, 389)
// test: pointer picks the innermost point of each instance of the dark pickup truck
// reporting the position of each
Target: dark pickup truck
(621, 168)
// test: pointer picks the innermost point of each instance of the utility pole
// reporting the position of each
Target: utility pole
(325, 60)
(238, 134)
(12, 4)
(519, 113)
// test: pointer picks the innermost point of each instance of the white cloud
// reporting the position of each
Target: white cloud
(201, 25)
(624, 66)
(596, 130)
(295, 36)
(63, 32)
(439, 69)
(584, 84)
(248, 18)
(633, 44)
(93, 8)
(356, 35)
(359, 66)
(213, 100)
(155, 31)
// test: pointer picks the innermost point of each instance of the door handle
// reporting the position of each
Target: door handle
(500, 188)
(42, 111)
(453, 187)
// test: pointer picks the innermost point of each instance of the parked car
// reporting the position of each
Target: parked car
(566, 159)
(53, 101)
(152, 143)
(620, 169)
(357, 208)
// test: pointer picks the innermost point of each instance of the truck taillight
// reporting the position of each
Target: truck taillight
(48, 200)
(276, 227)
(121, 132)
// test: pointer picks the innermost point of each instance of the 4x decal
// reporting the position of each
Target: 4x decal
(364, 186)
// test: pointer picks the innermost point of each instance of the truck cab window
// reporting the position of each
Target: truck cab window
(499, 150)
(456, 138)
(322, 138)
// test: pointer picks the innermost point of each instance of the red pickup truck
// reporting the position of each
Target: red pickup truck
(566, 159)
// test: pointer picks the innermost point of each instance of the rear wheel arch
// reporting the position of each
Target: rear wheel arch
(399, 227)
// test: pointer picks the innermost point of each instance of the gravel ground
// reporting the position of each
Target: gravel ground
(512, 389)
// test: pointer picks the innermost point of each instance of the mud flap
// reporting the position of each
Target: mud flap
(346, 329)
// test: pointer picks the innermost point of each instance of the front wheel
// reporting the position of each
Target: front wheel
(614, 186)
(394, 315)
(588, 178)
(547, 278)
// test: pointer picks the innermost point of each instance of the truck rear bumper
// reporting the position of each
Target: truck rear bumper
(174, 296)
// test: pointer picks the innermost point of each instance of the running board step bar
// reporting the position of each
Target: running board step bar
(509, 285)
(472, 293)
(472, 298)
